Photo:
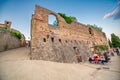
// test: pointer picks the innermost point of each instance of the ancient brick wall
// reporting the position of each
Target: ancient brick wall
(65, 43)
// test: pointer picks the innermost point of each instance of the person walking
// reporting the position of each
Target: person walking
(106, 57)
(117, 51)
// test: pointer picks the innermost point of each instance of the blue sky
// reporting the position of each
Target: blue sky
(104, 13)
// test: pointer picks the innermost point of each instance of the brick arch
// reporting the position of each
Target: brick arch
(51, 20)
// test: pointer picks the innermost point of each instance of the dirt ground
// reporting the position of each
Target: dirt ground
(15, 65)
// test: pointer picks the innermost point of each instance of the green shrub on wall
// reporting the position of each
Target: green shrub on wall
(17, 34)
(68, 19)
(101, 47)
(3, 27)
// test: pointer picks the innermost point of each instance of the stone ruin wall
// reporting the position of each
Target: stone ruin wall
(9, 41)
(67, 43)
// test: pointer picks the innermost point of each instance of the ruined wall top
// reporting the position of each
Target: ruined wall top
(41, 14)
(75, 30)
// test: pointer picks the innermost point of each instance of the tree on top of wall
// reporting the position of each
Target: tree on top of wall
(95, 27)
(68, 19)
(13, 32)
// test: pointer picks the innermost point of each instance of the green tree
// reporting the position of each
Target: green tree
(15, 33)
(73, 18)
(55, 23)
(115, 40)
(110, 43)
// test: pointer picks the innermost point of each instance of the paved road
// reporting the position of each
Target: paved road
(15, 54)
(15, 65)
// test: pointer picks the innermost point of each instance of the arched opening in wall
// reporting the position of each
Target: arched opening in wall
(90, 32)
(74, 48)
(66, 41)
(60, 40)
(52, 21)
(44, 40)
(52, 39)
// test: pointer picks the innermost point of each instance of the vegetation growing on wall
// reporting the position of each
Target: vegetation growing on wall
(95, 27)
(101, 47)
(68, 19)
(16, 33)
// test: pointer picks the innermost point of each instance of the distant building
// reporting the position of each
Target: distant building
(6, 24)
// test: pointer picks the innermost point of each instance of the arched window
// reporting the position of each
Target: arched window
(60, 40)
(52, 20)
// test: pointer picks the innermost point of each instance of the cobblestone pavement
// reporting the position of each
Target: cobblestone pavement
(15, 65)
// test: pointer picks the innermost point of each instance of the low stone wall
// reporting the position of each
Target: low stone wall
(8, 41)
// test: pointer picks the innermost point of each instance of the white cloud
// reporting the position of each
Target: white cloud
(108, 15)
(115, 13)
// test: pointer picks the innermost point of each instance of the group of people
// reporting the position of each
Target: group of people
(115, 50)
(102, 58)
(105, 57)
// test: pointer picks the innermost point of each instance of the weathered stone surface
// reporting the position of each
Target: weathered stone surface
(8, 41)
(66, 43)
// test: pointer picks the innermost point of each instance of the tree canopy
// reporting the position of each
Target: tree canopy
(115, 40)
(110, 43)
